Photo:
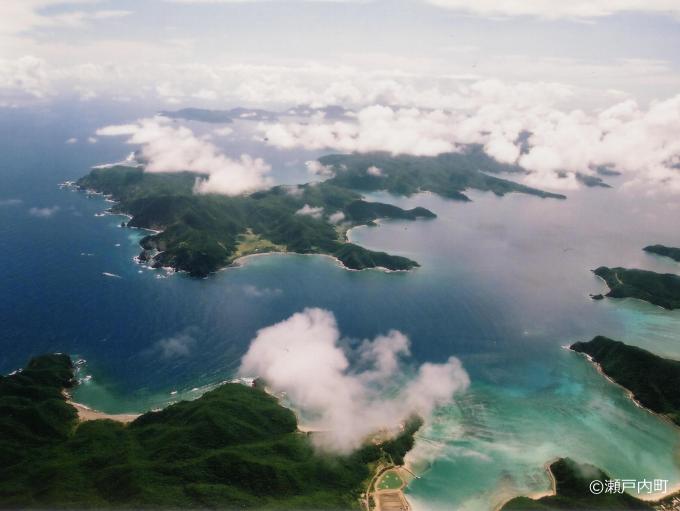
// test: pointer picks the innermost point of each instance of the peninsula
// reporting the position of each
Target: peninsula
(572, 491)
(653, 381)
(662, 250)
(447, 175)
(201, 234)
(235, 447)
(662, 289)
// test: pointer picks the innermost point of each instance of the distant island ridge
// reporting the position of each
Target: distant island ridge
(200, 234)
(253, 114)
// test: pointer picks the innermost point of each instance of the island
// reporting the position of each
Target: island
(200, 234)
(653, 381)
(447, 175)
(571, 481)
(662, 250)
(207, 115)
(662, 289)
(220, 116)
(235, 447)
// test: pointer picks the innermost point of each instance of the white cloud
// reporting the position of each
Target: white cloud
(20, 16)
(302, 356)
(641, 143)
(315, 168)
(374, 171)
(171, 148)
(44, 212)
(552, 9)
(223, 132)
(81, 19)
(22, 80)
(337, 217)
(310, 211)
(91, 140)
(72, 140)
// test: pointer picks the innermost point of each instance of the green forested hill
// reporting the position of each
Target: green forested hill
(653, 380)
(447, 175)
(572, 481)
(662, 289)
(233, 448)
(203, 233)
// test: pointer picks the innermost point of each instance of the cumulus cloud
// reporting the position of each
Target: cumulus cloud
(552, 10)
(641, 143)
(167, 147)
(304, 357)
(223, 132)
(374, 171)
(308, 210)
(337, 217)
(72, 140)
(22, 80)
(316, 168)
(44, 212)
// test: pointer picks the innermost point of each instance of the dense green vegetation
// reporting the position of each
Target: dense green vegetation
(661, 289)
(673, 253)
(448, 175)
(201, 233)
(573, 493)
(654, 381)
(233, 448)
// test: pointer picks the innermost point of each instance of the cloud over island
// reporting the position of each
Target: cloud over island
(170, 148)
(306, 358)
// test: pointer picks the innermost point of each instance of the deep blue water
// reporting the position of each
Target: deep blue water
(504, 284)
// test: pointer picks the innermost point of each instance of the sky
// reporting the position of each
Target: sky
(596, 83)
(144, 48)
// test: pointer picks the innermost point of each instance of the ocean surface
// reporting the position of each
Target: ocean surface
(504, 285)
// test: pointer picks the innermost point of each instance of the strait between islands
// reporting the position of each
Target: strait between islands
(652, 382)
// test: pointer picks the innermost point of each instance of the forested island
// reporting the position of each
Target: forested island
(572, 492)
(662, 289)
(447, 175)
(653, 381)
(662, 250)
(201, 234)
(233, 448)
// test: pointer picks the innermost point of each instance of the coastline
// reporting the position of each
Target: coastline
(537, 494)
(238, 262)
(628, 392)
(86, 413)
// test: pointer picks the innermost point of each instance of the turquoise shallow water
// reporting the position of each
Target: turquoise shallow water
(504, 284)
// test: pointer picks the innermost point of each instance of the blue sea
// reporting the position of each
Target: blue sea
(504, 285)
